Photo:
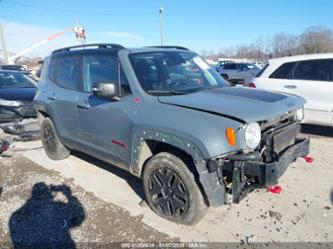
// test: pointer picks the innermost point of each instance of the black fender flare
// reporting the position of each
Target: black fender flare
(213, 190)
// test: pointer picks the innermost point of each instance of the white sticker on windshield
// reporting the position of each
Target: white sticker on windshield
(201, 63)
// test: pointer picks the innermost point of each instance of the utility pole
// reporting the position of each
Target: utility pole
(161, 24)
(4, 50)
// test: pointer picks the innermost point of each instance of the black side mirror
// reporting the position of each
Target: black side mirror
(108, 90)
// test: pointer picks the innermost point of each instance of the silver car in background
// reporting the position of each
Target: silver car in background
(238, 73)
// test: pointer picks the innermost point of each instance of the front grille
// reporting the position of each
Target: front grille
(278, 122)
(277, 135)
(284, 138)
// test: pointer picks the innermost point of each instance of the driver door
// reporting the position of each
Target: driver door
(104, 124)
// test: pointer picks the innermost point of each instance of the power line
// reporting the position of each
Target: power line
(75, 11)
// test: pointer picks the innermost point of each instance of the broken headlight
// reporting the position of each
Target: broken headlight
(252, 134)
(13, 103)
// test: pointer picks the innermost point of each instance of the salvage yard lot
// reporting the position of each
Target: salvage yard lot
(106, 204)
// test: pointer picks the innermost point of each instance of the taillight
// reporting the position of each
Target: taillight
(252, 85)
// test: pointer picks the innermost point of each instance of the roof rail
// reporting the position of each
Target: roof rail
(174, 47)
(98, 45)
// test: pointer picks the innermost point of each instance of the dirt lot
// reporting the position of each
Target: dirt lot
(82, 199)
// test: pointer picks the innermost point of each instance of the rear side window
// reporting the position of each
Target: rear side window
(230, 66)
(284, 71)
(320, 70)
(65, 71)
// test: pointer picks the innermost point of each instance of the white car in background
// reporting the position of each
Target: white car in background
(238, 73)
(308, 76)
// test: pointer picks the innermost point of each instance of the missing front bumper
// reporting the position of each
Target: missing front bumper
(262, 174)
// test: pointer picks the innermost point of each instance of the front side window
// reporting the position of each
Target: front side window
(99, 69)
(319, 70)
(104, 69)
(170, 71)
(65, 71)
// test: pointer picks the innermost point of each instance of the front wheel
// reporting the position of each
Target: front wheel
(51, 142)
(171, 190)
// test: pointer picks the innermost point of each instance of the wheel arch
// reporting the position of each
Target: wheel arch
(150, 143)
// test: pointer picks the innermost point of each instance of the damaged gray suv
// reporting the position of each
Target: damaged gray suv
(165, 116)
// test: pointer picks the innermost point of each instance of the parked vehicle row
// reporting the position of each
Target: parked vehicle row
(238, 73)
(308, 76)
(167, 117)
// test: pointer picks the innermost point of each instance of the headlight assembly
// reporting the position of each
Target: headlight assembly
(13, 103)
(252, 133)
(300, 114)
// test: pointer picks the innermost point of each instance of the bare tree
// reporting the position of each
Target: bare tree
(284, 44)
(316, 39)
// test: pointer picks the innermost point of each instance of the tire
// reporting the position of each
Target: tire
(171, 190)
(51, 143)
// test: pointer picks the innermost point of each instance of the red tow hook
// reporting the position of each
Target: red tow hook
(308, 159)
(3, 146)
(275, 189)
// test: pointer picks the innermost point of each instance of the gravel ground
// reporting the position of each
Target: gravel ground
(39, 205)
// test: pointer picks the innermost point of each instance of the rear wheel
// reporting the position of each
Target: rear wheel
(51, 143)
(171, 190)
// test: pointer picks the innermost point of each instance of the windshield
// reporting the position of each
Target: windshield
(174, 72)
(15, 80)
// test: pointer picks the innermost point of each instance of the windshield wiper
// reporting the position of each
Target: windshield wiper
(165, 92)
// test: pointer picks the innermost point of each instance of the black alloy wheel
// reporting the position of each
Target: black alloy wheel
(168, 192)
(49, 139)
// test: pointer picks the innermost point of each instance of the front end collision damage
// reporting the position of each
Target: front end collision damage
(245, 171)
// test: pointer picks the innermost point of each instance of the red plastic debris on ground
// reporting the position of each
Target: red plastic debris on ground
(4, 147)
(308, 159)
(275, 189)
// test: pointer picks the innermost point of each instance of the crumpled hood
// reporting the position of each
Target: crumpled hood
(242, 104)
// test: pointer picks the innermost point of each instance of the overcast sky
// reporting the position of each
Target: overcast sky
(210, 24)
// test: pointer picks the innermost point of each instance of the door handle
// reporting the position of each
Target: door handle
(83, 106)
(51, 97)
(290, 86)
